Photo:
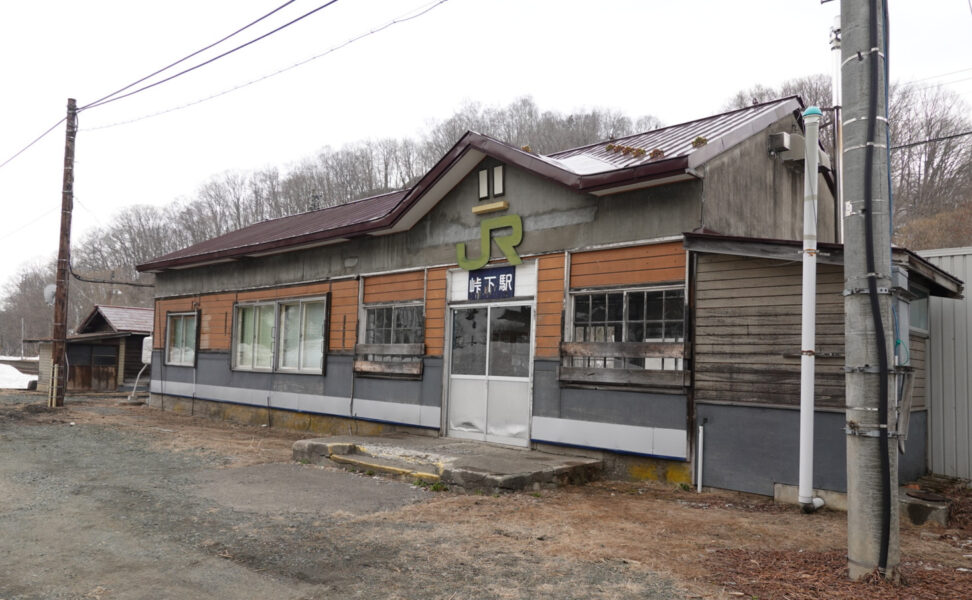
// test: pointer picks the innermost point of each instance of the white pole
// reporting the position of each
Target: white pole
(811, 118)
(698, 478)
(835, 88)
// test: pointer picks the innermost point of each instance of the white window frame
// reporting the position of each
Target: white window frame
(302, 317)
(237, 312)
(179, 320)
(666, 364)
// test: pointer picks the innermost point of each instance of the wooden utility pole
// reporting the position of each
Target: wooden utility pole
(59, 333)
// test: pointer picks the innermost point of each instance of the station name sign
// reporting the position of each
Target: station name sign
(492, 284)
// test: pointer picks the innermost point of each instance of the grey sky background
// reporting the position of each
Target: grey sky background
(674, 60)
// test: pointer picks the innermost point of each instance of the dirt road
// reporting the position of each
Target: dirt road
(99, 500)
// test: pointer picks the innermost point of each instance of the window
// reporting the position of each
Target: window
(918, 309)
(301, 339)
(393, 342)
(253, 343)
(491, 182)
(297, 345)
(648, 315)
(180, 347)
(394, 325)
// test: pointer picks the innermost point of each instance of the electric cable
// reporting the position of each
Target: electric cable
(395, 21)
(108, 281)
(932, 140)
(187, 57)
(37, 139)
(872, 284)
(209, 61)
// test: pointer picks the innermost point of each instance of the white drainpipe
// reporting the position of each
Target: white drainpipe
(811, 118)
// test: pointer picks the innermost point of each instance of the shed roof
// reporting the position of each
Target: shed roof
(120, 319)
(656, 157)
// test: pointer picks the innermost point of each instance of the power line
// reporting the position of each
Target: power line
(187, 57)
(396, 21)
(932, 140)
(211, 60)
(37, 139)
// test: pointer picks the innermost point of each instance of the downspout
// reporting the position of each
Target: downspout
(807, 339)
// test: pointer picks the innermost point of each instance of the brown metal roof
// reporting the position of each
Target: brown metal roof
(594, 169)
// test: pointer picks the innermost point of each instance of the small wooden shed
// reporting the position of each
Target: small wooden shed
(104, 352)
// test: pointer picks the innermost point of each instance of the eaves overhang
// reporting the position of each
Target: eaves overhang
(939, 282)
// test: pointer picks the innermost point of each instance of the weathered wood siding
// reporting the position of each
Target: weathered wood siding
(632, 265)
(216, 313)
(550, 305)
(747, 318)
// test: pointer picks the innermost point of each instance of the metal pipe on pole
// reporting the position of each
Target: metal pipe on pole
(872, 463)
(811, 119)
(59, 330)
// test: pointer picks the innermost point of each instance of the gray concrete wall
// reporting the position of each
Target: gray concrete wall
(750, 193)
(555, 218)
(750, 448)
(641, 409)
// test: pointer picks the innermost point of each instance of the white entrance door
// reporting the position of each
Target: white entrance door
(490, 373)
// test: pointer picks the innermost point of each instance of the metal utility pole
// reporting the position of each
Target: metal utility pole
(59, 333)
(872, 462)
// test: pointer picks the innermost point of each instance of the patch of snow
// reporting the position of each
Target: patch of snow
(12, 379)
(18, 358)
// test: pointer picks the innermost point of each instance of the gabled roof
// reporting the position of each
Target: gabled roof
(119, 319)
(604, 168)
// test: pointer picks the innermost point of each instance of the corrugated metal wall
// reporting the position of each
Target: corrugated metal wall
(950, 370)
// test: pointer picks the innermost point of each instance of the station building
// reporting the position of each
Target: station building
(605, 300)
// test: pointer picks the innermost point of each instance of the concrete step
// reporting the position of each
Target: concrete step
(471, 466)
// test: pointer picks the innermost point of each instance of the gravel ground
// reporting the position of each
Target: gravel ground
(105, 501)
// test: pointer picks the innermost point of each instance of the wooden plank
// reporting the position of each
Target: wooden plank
(646, 250)
(623, 349)
(391, 349)
(412, 368)
(674, 275)
(626, 377)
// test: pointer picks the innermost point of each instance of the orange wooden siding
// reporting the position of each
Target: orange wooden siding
(396, 287)
(216, 313)
(162, 308)
(343, 329)
(435, 312)
(550, 298)
(634, 265)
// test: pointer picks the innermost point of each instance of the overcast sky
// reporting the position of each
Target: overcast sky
(677, 60)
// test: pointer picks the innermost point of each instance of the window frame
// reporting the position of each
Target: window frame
(579, 366)
(181, 317)
(302, 317)
(235, 339)
(393, 306)
(398, 360)
(276, 333)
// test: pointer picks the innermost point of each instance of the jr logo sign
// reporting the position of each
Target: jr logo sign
(507, 243)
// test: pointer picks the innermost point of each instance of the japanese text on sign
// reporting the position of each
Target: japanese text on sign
(488, 284)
